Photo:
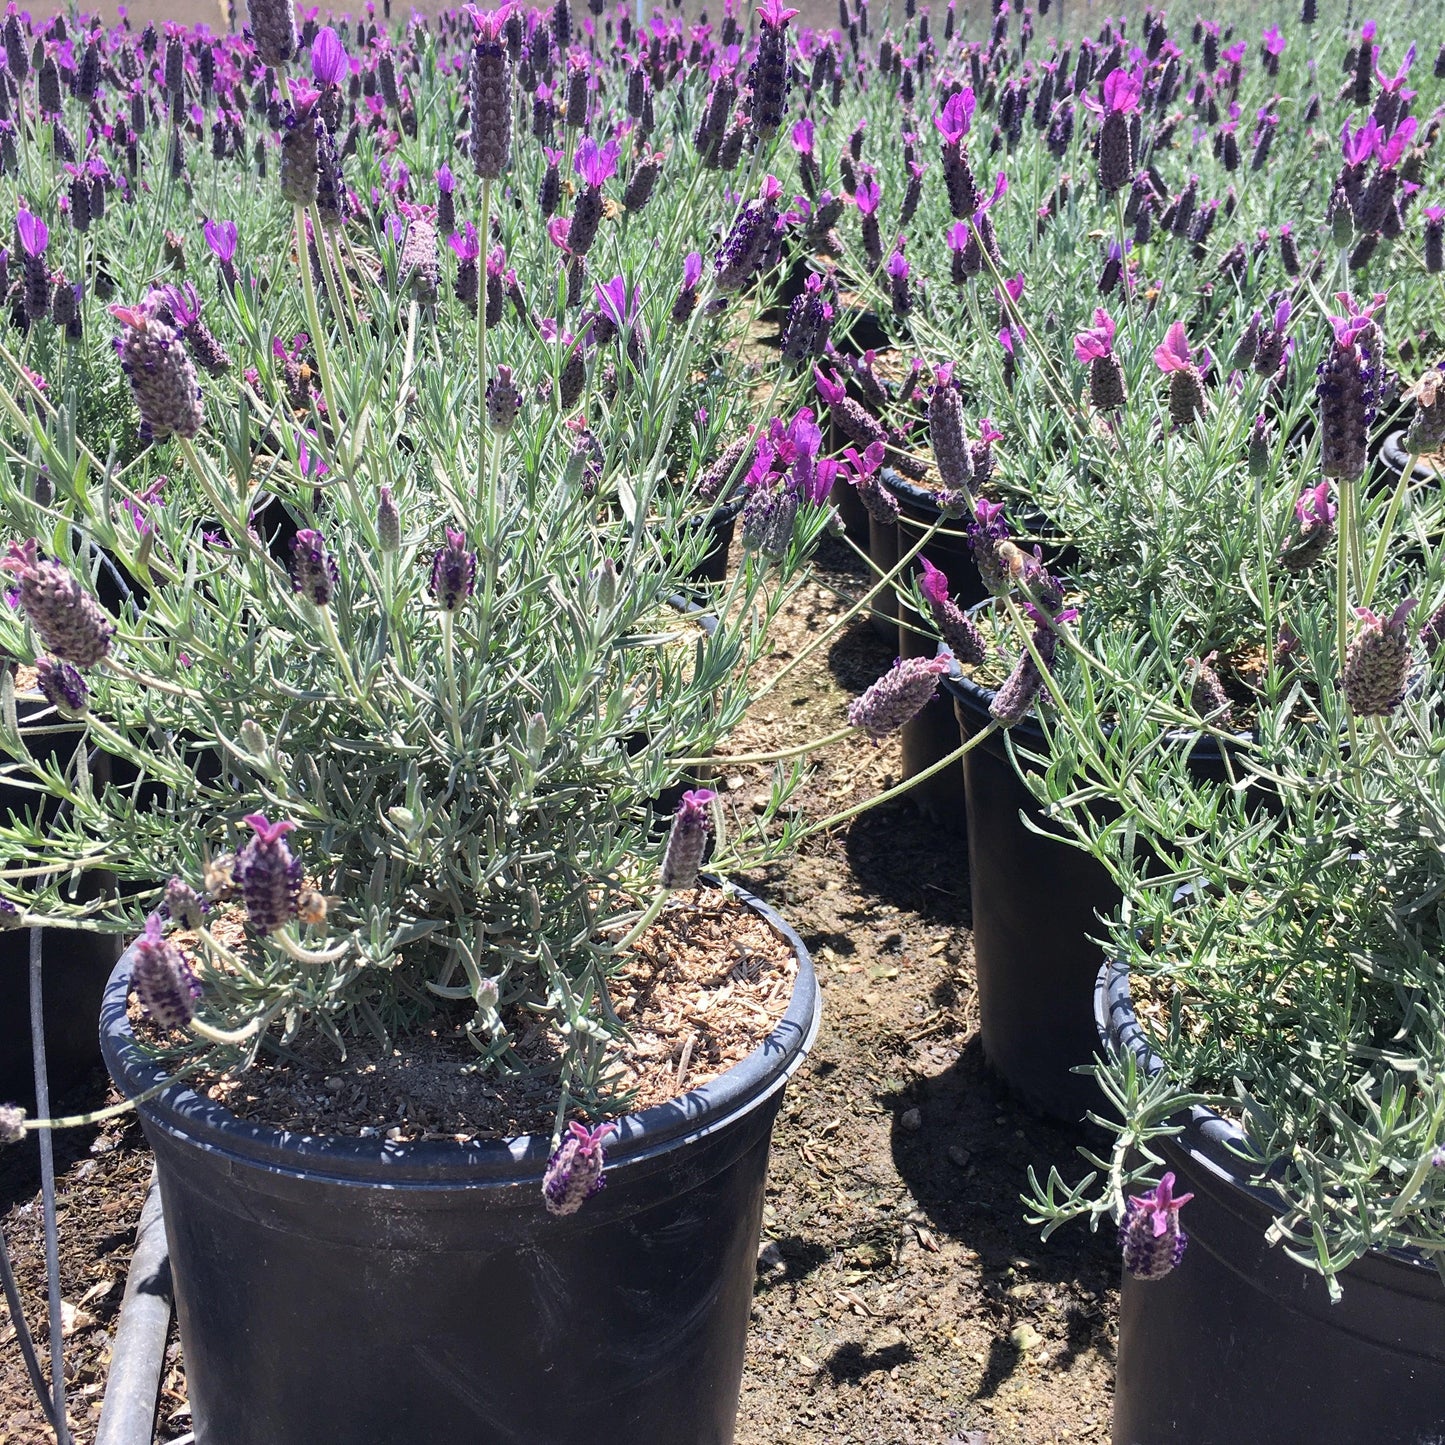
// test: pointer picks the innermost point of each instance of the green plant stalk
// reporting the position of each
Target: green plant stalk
(485, 235)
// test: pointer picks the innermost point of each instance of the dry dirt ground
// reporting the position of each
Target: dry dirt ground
(901, 1299)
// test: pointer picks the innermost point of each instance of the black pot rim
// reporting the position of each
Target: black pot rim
(1213, 1142)
(448, 1163)
(978, 699)
(1395, 456)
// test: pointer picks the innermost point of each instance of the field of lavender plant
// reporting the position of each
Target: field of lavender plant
(369, 390)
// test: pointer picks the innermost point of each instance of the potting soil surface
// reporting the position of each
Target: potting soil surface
(901, 1298)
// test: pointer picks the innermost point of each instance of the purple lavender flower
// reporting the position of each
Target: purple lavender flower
(300, 150)
(504, 401)
(749, 240)
(179, 306)
(68, 621)
(268, 875)
(683, 306)
(61, 685)
(1025, 683)
(856, 423)
(953, 123)
(1106, 377)
(898, 696)
(687, 839)
(805, 331)
(1316, 516)
(1116, 151)
(1186, 386)
(719, 477)
(453, 572)
(1150, 1237)
(957, 629)
(1435, 236)
(388, 522)
(595, 165)
(490, 90)
(1377, 662)
(273, 29)
(329, 63)
(162, 378)
(879, 501)
(221, 237)
(987, 529)
(946, 433)
(1348, 389)
(467, 250)
(164, 983)
(313, 569)
(418, 264)
(768, 75)
(1206, 693)
(34, 237)
(183, 905)
(575, 1170)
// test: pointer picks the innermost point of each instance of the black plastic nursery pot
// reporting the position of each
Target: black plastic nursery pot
(1036, 902)
(1240, 1343)
(1396, 455)
(362, 1292)
(75, 963)
(720, 523)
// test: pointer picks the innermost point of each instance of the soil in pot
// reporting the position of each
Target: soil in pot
(1241, 1343)
(452, 1305)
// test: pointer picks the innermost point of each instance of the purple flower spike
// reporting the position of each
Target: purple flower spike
(453, 572)
(313, 568)
(687, 839)
(954, 120)
(1149, 1236)
(165, 985)
(1377, 662)
(329, 65)
(268, 875)
(61, 685)
(574, 1172)
(898, 696)
(68, 621)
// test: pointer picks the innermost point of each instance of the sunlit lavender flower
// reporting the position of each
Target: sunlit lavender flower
(1150, 1236)
(68, 621)
(987, 529)
(61, 686)
(1348, 389)
(856, 423)
(1186, 386)
(273, 29)
(768, 75)
(504, 401)
(467, 250)
(268, 875)
(1116, 151)
(730, 465)
(300, 164)
(1377, 662)
(1025, 683)
(1106, 377)
(953, 123)
(490, 94)
(453, 572)
(805, 330)
(34, 238)
(183, 905)
(946, 432)
(418, 265)
(388, 522)
(746, 244)
(866, 478)
(314, 573)
(1316, 516)
(687, 839)
(221, 237)
(179, 306)
(162, 378)
(898, 696)
(1206, 693)
(957, 629)
(575, 1170)
(164, 983)
(686, 302)
(595, 165)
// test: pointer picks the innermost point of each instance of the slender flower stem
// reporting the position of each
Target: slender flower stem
(485, 235)
(898, 789)
(47, 1195)
(449, 665)
(779, 757)
(313, 317)
(834, 628)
